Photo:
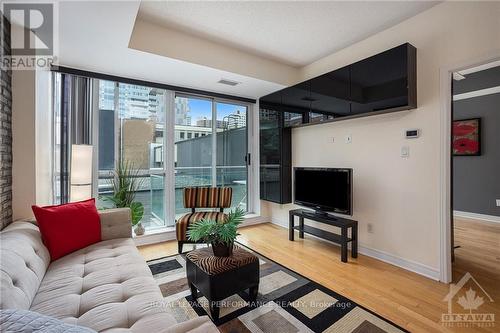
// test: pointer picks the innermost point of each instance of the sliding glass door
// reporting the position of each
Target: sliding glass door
(210, 147)
(232, 154)
(193, 146)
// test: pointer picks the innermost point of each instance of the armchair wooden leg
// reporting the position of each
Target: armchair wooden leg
(180, 244)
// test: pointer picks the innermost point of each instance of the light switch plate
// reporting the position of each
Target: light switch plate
(405, 151)
(498, 202)
(348, 138)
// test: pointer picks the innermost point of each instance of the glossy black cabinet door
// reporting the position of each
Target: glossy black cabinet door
(330, 95)
(270, 183)
(381, 82)
(270, 151)
(293, 119)
(275, 155)
(297, 98)
(271, 101)
(296, 102)
(270, 148)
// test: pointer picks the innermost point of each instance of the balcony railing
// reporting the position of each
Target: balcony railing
(152, 191)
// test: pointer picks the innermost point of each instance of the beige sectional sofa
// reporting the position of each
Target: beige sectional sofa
(106, 286)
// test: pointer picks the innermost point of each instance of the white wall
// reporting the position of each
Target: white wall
(31, 141)
(23, 143)
(400, 197)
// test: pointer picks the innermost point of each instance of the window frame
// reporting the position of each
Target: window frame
(168, 142)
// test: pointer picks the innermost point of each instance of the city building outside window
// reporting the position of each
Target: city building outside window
(132, 125)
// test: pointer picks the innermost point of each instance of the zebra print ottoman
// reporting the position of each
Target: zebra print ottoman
(220, 277)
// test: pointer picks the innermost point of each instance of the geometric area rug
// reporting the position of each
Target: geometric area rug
(286, 302)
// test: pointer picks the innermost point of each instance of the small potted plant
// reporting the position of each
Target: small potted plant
(220, 234)
(126, 181)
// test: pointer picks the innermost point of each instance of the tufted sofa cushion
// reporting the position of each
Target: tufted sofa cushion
(115, 223)
(15, 320)
(106, 286)
(24, 260)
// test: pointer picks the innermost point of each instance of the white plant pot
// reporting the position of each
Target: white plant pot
(139, 229)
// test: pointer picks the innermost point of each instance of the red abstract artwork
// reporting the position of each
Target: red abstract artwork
(467, 137)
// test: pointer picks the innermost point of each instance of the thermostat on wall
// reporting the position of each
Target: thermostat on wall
(412, 133)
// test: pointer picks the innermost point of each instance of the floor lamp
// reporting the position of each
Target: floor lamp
(81, 172)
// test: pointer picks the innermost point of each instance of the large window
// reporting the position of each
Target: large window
(131, 131)
(206, 139)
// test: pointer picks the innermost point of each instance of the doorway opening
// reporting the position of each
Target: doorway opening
(475, 178)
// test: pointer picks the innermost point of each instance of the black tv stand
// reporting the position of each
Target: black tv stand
(326, 218)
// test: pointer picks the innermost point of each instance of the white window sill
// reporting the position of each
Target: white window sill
(165, 234)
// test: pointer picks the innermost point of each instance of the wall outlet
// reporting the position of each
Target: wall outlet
(348, 138)
(498, 202)
(370, 228)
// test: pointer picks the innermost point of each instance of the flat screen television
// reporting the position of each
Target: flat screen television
(324, 189)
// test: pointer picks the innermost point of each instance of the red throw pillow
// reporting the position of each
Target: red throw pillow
(69, 227)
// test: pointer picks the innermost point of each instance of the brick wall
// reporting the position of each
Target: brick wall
(5, 132)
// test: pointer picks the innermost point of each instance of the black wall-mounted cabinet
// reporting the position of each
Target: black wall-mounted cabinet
(275, 152)
(383, 83)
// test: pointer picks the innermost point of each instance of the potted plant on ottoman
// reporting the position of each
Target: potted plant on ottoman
(220, 234)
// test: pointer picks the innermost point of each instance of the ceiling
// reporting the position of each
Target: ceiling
(295, 33)
(96, 36)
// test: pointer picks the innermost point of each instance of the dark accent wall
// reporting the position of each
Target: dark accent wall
(5, 131)
(476, 179)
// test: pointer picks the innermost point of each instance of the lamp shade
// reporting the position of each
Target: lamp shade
(80, 192)
(81, 172)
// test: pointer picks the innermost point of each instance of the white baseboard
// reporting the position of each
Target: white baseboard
(409, 265)
(254, 220)
(159, 237)
(476, 216)
(279, 222)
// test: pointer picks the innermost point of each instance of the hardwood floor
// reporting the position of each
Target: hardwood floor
(478, 252)
(408, 299)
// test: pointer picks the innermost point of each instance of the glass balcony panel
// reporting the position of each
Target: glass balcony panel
(189, 177)
(236, 178)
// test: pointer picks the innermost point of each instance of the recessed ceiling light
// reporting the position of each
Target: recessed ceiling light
(228, 82)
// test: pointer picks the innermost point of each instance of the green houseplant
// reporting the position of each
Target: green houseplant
(125, 182)
(220, 234)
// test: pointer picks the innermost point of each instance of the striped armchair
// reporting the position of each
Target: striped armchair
(202, 197)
